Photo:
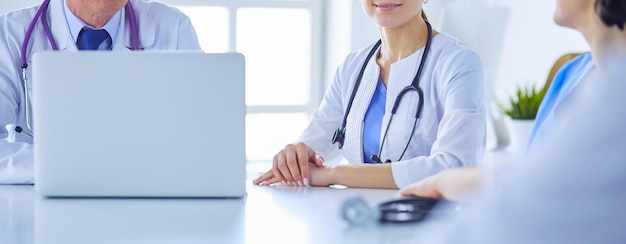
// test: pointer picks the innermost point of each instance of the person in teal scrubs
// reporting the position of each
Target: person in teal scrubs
(601, 22)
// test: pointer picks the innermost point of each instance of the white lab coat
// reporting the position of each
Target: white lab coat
(451, 131)
(160, 28)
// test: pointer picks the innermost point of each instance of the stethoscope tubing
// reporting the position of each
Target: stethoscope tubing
(340, 132)
(29, 32)
(41, 14)
(413, 87)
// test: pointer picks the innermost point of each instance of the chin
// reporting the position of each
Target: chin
(563, 23)
(559, 20)
(387, 23)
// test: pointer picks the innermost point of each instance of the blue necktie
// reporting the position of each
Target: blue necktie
(90, 39)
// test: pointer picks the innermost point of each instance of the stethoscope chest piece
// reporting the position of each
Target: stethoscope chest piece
(340, 133)
(339, 136)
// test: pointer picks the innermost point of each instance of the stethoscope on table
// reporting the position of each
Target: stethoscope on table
(340, 133)
(42, 13)
(356, 211)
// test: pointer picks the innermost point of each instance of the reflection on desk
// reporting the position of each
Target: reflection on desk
(139, 221)
(17, 205)
(277, 214)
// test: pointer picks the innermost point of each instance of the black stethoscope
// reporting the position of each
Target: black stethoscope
(356, 211)
(42, 13)
(340, 133)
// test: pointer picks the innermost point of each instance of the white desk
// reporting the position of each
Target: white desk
(266, 215)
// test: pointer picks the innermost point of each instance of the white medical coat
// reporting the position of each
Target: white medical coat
(160, 28)
(450, 133)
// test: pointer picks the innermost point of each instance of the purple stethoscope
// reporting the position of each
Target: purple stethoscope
(42, 14)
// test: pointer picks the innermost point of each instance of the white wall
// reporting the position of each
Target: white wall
(364, 31)
(337, 35)
(534, 42)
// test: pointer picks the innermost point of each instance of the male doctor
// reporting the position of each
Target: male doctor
(159, 27)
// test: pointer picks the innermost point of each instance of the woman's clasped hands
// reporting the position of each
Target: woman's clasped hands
(296, 165)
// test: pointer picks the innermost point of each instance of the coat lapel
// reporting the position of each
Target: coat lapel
(354, 152)
(59, 27)
(146, 28)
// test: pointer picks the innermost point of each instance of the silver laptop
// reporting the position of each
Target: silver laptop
(139, 124)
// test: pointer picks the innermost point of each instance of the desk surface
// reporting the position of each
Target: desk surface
(277, 214)
(266, 215)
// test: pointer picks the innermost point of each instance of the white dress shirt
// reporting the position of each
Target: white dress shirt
(76, 24)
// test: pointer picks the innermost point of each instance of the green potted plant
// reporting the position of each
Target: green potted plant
(522, 109)
(525, 103)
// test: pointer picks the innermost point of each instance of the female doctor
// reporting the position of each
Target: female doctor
(399, 110)
(56, 25)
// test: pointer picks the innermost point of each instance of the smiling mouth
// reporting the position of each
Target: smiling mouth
(387, 5)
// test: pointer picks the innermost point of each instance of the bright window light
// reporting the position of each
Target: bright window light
(277, 46)
(277, 39)
(212, 27)
(266, 134)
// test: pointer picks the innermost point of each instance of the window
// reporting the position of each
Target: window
(281, 41)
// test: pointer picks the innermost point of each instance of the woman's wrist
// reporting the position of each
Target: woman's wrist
(326, 176)
(331, 175)
(322, 176)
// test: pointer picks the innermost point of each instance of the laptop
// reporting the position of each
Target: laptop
(139, 124)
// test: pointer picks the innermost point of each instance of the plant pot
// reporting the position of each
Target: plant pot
(520, 132)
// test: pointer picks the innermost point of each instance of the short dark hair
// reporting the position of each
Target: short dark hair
(612, 12)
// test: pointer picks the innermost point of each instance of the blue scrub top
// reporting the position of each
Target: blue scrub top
(372, 122)
(564, 82)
